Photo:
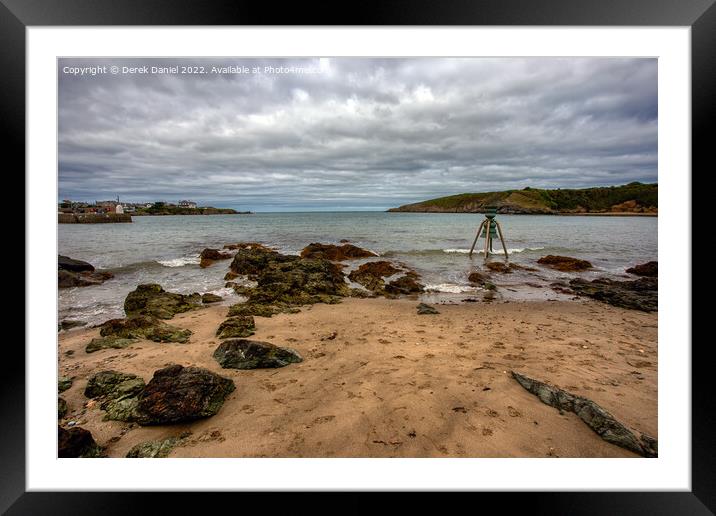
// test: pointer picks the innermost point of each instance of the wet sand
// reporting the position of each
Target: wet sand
(378, 380)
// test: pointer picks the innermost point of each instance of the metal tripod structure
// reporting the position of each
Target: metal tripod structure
(488, 229)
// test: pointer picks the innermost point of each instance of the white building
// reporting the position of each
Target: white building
(187, 204)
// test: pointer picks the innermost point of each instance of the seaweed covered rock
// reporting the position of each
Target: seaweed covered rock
(564, 263)
(252, 260)
(260, 310)
(648, 269)
(152, 299)
(144, 327)
(112, 342)
(113, 384)
(64, 383)
(153, 449)
(61, 408)
(336, 253)
(641, 294)
(405, 285)
(176, 394)
(65, 263)
(76, 442)
(424, 309)
(67, 279)
(237, 326)
(211, 298)
(477, 278)
(253, 354)
(371, 274)
(209, 256)
(68, 324)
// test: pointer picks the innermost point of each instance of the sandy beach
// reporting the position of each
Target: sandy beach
(379, 380)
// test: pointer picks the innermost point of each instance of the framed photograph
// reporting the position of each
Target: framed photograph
(414, 251)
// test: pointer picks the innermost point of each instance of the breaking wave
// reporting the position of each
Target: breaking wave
(510, 250)
(180, 262)
(451, 288)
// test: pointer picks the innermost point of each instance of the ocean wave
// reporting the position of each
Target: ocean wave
(510, 250)
(451, 288)
(180, 262)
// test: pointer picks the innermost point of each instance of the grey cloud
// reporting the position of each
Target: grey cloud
(364, 134)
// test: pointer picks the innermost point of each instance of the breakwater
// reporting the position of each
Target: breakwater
(92, 218)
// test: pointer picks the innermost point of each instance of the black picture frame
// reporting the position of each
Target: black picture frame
(17, 15)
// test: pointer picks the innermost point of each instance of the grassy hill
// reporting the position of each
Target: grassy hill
(162, 209)
(631, 198)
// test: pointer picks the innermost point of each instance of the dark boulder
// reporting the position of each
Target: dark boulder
(405, 285)
(209, 256)
(336, 253)
(108, 343)
(641, 294)
(64, 383)
(65, 263)
(76, 442)
(144, 327)
(253, 354)
(648, 269)
(68, 279)
(238, 326)
(152, 299)
(68, 324)
(210, 298)
(424, 309)
(61, 408)
(251, 261)
(477, 278)
(371, 274)
(564, 263)
(177, 394)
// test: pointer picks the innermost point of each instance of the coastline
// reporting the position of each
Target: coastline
(378, 380)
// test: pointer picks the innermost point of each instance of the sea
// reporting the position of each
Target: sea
(165, 250)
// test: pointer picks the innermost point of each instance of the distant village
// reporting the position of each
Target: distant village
(115, 206)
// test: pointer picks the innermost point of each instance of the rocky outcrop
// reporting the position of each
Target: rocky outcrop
(424, 309)
(597, 418)
(68, 324)
(152, 299)
(648, 269)
(64, 383)
(477, 278)
(65, 263)
(61, 408)
(144, 327)
(209, 256)
(153, 449)
(405, 285)
(76, 442)
(253, 354)
(117, 393)
(565, 263)
(238, 326)
(108, 343)
(371, 274)
(178, 394)
(336, 253)
(641, 294)
(260, 310)
(252, 260)
(211, 298)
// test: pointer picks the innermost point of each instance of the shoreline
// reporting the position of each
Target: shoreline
(588, 214)
(378, 380)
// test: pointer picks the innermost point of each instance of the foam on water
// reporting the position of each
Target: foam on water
(180, 262)
(451, 288)
(510, 250)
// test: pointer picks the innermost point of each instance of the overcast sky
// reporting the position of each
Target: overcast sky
(353, 134)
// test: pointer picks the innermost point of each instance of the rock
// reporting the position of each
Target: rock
(238, 326)
(211, 298)
(113, 384)
(477, 277)
(76, 442)
(251, 261)
(424, 309)
(248, 245)
(68, 324)
(641, 294)
(648, 269)
(176, 394)
(253, 354)
(598, 419)
(371, 274)
(498, 267)
(108, 342)
(144, 327)
(67, 279)
(405, 285)
(152, 299)
(489, 286)
(65, 263)
(230, 276)
(260, 310)
(64, 383)
(61, 408)
(153, 449)
(565, 263)
(209, 256)
(336, 253)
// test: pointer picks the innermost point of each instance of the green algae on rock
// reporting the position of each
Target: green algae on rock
(237, 326)
(153, 449)
(64, 383)
(76, 442)
(152, 299)
(144, 327)
(253, 354)
(112, 342)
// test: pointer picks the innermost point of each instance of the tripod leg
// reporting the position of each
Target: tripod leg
(476, 237)
(487, 239)
(502, 239)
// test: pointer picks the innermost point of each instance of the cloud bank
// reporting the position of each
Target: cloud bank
(352, 134)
